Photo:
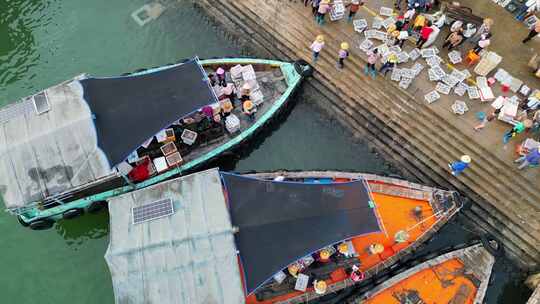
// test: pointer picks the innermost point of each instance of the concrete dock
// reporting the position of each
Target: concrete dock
(419, 138)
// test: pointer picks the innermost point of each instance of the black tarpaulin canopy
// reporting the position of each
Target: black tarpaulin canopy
(129, 110)
(280, 222)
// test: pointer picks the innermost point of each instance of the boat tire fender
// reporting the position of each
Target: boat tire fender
(491, 245)
(22, 222)
(303, 68)
(96, 206)
(41, 224)
(72, 213)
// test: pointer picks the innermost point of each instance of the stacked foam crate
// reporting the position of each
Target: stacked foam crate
(338, 10)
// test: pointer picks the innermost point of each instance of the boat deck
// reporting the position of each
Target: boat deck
(459, 277)
(415, 210)
(272, 85)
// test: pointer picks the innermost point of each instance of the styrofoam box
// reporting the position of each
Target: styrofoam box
(257, 97)
(236, 72)
(248, 73)
(232, 123)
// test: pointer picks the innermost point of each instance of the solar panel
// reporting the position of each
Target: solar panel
(41, 103)
(152, 211)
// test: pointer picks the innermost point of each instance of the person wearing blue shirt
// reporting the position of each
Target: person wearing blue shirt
(459, 166)
(531, 159)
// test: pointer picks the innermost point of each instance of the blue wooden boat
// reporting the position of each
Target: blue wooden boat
(68, 149)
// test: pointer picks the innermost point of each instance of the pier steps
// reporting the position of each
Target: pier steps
(422, 142)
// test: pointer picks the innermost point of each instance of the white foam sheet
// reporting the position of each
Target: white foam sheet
(45, 154)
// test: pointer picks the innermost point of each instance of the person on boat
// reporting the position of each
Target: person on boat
(245, 92)
(293, 270)
(323, 256)
(530, 159)
(459, 166)
(356, 275)
(212, 79)
(320, 286)
(221, 77)
(208, 113)
(249, 109)
(376, 248)
(343, 249)
(228, 92)
(342, 54)
(316, 48)
(226, 108)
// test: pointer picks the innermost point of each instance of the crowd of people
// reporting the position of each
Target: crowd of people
(414, 24)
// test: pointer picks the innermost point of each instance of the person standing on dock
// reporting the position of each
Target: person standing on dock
(389, 64)
(424, 34)
(459, 166)
(342, 54)
(372, 57)
(517, 129)
(530, 159)
(535, 30)
(315, 7)
(316, 47)
(353, 8)
(324, 8)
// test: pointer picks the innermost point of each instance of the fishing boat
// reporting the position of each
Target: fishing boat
(279, 237)
(460, 276)
(70, 148)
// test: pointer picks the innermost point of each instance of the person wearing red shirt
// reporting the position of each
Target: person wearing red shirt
(424, 34)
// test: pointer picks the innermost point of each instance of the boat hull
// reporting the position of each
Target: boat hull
(381, 271)
(293, 73)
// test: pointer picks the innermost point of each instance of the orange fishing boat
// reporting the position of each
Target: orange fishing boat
(458, 277)
(406, 213)
(282, 237)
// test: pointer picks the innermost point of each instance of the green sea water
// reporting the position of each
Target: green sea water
(44, 42)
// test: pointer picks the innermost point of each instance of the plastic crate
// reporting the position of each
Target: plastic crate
(232, 123)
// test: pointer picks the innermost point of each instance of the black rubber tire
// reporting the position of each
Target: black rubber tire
(494, 248)
(300, 67)
(72, 213)
(96, 206)
(23, 223)
(42, 224)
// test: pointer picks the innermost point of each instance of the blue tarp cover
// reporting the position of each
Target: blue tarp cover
(129, 110)
(280, 222)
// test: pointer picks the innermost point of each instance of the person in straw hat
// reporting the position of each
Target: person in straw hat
(316, 47)
(245, 92)
(249, 109)
(324, 255)
(226, 108)
(320, 286)
(221, 77)
(459, 166)
(342, 54)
